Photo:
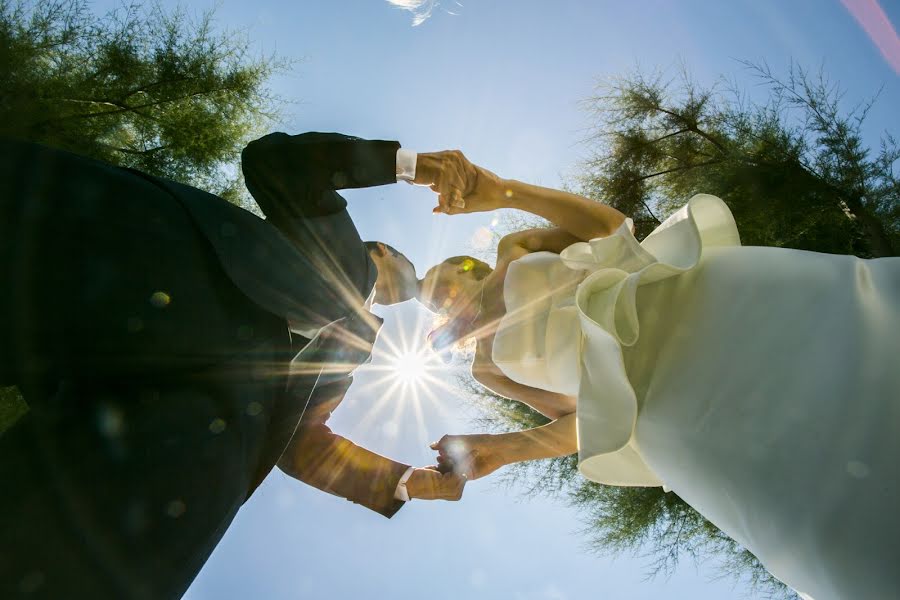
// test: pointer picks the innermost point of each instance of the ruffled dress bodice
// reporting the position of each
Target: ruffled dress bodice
(579, 307)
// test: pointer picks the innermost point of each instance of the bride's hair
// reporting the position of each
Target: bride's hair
(479, 268)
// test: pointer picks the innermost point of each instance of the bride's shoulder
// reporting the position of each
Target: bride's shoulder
(515, 245)
(542, 239)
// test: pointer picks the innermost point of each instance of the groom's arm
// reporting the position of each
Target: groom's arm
(296, 176)
(319, 457)
(327, 461)
(294, 179)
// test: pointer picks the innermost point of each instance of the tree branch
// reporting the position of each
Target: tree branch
(691, 127)
(677, 169)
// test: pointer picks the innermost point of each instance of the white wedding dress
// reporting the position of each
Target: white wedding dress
(762, 385)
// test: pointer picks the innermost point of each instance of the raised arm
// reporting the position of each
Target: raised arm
(293, 176)
(583, 218)
(485, 191)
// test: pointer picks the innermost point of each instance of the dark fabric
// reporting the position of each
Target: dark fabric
(107, 274)
(320, 275)
(146, 325)
(293, 179)
(139, 403)
(114, 489)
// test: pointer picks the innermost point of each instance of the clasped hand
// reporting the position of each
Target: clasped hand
(461, 458)
(434, 483)
(473, 456)
(462, 187)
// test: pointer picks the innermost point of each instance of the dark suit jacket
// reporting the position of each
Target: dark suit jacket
(305, 263)
(84, 247)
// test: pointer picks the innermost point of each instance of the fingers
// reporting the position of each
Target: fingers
(450, 180)
(442, 444)
(435, 484)
(455, 455)
(452, 485)
(444, 468)
(450, 200)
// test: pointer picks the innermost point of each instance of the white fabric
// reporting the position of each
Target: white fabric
(760, 384)
(401, 493)
(406, 165)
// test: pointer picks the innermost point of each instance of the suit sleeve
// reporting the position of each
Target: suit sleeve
(296, 176)
(321, 458)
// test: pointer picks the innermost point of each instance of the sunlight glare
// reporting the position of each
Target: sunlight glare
(410, 367)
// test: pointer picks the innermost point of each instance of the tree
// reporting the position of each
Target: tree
(136, 87)
(794, 170)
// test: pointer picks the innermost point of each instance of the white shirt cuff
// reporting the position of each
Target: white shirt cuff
(406, 165)
(401, 493)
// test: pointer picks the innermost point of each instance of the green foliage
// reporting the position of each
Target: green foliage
(794, 170)
(137, 87)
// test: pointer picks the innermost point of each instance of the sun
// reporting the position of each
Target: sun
(406, 378)
(410, 367)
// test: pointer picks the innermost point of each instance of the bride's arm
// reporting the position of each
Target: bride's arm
(485, 191)
(583, 218)
(478, 455)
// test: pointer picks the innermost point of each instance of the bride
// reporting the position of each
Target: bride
(760, 384)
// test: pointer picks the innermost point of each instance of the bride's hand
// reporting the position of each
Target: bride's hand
(474, 455)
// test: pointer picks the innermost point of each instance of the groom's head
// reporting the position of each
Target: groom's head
(396, 274)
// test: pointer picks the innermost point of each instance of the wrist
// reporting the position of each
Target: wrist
(508, 447)
(427, 166)
(513, 194)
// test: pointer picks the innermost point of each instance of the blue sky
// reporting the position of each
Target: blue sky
(503, 81)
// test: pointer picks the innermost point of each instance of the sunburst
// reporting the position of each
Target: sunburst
(411, 367)
(409, 376)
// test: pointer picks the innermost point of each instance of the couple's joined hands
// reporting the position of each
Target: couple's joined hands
(461, 186)
(435, 483)
(461, 458)
(473, 455)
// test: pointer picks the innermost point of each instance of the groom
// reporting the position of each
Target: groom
(168, 343)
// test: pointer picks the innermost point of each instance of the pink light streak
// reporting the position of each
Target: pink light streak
(873, 20)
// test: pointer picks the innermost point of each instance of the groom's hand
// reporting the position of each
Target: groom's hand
(428, 483)
(449, 174)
